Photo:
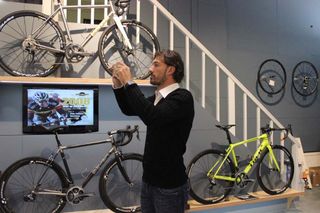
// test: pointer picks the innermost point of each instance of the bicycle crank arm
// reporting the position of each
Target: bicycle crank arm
(86, 195)
(84, 53)
(248, 180)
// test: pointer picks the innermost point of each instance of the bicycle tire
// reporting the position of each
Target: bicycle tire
(112, 50)
(202, 189)
(17, 186)
(305, 78)
(272, 76)
(116, 193)
(19, 55)
(269, 178)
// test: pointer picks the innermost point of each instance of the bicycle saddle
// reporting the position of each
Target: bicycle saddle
(225, 127)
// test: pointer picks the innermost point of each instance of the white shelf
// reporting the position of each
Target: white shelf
(55, 80)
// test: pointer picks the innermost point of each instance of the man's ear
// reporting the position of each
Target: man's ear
(171, 70)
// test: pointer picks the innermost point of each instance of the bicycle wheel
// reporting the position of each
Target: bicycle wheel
(203, 188)
(19, 192)
(116, 193)
(271, 180)
(272, 76)
(305, 78)
(112, 49)
(20, 52)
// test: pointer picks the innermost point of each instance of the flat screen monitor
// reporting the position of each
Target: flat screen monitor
(70, 106)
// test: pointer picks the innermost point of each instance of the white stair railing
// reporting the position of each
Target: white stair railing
(233, 84)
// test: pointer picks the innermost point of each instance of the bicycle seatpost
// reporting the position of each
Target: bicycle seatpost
(228, 136)
(226, 129)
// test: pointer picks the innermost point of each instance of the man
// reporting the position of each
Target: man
(45, 110)
(168, 117)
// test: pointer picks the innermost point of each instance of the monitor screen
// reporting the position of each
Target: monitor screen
(73, 107)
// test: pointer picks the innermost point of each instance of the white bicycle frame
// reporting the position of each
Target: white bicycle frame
(112, 15)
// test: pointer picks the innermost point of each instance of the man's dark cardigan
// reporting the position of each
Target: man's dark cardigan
(168, 128)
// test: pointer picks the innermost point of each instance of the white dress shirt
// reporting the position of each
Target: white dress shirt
(164, 92)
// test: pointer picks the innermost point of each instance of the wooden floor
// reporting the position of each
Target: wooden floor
(260, 197)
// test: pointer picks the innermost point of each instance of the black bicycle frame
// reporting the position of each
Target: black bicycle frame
(61, 149)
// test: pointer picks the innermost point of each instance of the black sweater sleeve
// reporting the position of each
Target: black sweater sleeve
(122, 100)
(132, 102)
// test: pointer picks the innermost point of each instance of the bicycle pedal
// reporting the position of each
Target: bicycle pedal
(84, 54)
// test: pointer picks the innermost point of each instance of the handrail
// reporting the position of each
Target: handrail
(216, 61)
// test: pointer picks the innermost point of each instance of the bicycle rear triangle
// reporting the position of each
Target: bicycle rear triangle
(34, 45)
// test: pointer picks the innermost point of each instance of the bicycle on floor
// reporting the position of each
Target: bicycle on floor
(33, 44)
(213, 173)
(40, 185)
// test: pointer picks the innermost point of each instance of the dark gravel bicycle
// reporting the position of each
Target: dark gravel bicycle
(40, 185)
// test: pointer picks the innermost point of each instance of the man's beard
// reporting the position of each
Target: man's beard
(157, 83)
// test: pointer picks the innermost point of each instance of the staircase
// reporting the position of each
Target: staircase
(214, 87)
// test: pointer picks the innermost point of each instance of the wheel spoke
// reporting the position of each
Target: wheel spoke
(20, 54)
(112, 49)
(305, 78)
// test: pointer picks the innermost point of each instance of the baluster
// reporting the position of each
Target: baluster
(231, 104)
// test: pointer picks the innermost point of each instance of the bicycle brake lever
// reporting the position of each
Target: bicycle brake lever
(138, 135)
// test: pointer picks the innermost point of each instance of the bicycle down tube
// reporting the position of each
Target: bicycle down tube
(61, 9)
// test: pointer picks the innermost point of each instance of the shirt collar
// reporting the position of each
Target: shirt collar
(168, 89)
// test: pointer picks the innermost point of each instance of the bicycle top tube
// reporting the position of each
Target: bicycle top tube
(118, 137)
(264, 130)
(86, 6)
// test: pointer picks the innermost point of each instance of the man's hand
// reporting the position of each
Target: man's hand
(121, 74)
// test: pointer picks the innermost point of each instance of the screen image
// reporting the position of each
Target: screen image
(75, 108)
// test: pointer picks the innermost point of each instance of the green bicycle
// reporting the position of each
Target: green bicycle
(213, 173)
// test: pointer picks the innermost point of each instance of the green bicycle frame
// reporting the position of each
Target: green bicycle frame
(231, 151)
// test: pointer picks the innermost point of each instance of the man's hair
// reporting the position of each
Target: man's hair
(172, 58)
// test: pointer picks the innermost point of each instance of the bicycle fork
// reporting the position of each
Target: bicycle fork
(122, 169)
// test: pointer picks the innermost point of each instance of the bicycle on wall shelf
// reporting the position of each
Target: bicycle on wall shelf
(213, 173)
(40, 185)
(33, 44)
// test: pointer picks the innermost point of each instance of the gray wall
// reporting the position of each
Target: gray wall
(241, 33)
(244, 33)
(15, 145)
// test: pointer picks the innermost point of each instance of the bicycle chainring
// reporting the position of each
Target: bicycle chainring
(75, 195)
(72, 53)
(241, 180)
